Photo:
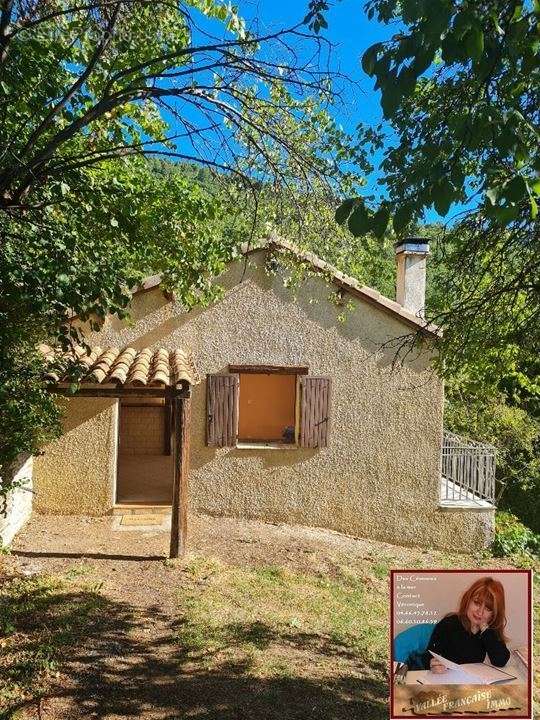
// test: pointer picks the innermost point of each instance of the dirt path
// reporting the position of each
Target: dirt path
(127, 649)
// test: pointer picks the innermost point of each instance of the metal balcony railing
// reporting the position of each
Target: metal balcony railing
(468, 470)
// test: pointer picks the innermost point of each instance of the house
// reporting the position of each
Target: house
(280, 403)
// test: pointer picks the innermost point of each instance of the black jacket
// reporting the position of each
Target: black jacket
(453, 642)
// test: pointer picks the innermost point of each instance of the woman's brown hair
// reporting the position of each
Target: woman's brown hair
(491, 592)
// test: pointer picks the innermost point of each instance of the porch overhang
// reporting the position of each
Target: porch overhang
(114, 372)
(131, 373)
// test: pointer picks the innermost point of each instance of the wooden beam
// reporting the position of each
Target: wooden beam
(180, 435)
(270, 369)
(167, 411)
(120, 392)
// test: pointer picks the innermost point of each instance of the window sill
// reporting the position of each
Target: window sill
(265, 446)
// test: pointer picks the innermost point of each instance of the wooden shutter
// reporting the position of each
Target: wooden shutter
(222, 409)
(314, 411)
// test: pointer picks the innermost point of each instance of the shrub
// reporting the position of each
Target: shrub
(513, 538)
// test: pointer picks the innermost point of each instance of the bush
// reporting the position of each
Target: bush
(513, 538)
(486, 415)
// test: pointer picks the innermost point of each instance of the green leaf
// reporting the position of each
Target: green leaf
(380, 222)
(411, 10)
(369, 58)
(359, 221)
(534, 208)
(391, 96)
(443, 195)
(406, 82)
(506, 139)
(462, 22)
(516, 189)
(402, 217)
(423, 60)
(437, 14)
(344, 210)
(64, 188)
(474, 43)
(505, 214)
(222, 12)
(492, 194)
(518, 12)
(452, 49)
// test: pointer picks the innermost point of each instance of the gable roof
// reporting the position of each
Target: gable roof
(346, 282)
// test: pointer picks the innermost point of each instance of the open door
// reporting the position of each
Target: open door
(145, 458)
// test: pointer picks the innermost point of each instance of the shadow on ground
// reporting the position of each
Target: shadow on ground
(85, 556)
(119, 661)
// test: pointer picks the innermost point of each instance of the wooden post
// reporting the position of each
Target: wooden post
(180, 427)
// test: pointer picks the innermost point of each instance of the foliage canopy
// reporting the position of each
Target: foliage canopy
(460, 91)
(88, 92)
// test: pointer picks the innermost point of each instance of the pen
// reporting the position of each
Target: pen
(401, 673)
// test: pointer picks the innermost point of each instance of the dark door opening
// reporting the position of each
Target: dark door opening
(145, 461)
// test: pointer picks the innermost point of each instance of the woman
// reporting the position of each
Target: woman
(474, 631)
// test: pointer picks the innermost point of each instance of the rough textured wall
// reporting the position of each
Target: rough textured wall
(76, 473)
(18, 502)
(411, 282)
(379, 476)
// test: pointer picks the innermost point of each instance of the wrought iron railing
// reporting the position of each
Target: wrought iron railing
(468, 470)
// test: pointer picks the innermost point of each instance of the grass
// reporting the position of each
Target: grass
(275, 622)
(298, 638)
(41, 618)
(286, 638)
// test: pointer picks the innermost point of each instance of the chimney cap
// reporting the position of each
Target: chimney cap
(416, 245)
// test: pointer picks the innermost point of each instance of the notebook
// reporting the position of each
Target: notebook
(466, 674)
(522, 654)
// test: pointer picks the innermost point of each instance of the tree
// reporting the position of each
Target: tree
(460, 91)
(83, 82)
(88, 92)
(460, 88)
(82, 256)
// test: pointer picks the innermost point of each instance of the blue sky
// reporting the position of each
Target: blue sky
(351, 33)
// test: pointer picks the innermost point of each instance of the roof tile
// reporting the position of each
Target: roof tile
(128, 367)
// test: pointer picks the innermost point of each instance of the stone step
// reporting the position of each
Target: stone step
(140, 509)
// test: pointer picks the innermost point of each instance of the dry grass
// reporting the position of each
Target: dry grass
(266, 622)
(280, 623)
(41, 619)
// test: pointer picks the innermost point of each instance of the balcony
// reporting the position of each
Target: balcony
(467, 473)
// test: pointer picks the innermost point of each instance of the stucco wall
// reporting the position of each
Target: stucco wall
(17, 507)
(379, 476)
(76, 473)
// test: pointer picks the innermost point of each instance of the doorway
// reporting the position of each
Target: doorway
(145, 460)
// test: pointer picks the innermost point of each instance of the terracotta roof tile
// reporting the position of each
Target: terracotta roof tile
(129, 367)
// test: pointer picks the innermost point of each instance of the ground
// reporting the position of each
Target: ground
(261, 621)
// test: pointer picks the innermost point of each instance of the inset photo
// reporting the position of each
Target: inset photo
(461, 643)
